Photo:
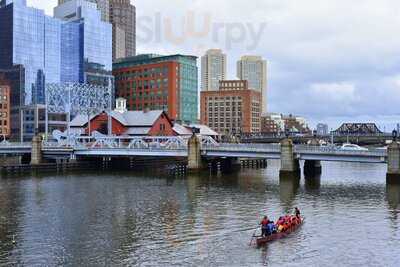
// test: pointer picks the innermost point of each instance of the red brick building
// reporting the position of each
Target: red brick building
(132, 123)
(154, 82)
(4, 109)
(231, 112)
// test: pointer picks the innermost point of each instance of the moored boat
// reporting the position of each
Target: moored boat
(266, 239)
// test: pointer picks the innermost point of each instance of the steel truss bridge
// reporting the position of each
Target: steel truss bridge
(173, 146)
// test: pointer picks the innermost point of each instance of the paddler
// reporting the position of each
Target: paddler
(264, 226)
(297, 212)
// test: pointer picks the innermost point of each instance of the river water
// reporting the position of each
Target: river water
(125, 219)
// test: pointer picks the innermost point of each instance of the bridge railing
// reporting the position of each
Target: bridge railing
(7, 144)
(243, 147)
(338, 150)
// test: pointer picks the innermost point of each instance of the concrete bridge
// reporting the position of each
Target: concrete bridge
(201, 150)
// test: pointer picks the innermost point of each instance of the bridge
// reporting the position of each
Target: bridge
(361, 139)
(198, 150)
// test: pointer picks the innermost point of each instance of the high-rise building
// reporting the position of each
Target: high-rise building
(122, 15)
(213, 69)
(123, 19)
(155, 82)
(36, 50)
(234, 109)
(254, 70)
(102, 5)
(94, 36)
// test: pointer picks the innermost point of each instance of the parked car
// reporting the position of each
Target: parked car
(353, 147)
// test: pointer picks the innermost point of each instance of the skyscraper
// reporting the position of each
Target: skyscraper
(213, 69)
(122, 15)
(123, 19)
(90, 37)
(102, 5)
(254, 70)
(36, 49)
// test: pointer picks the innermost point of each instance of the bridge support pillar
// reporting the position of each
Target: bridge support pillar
(290, 166)
(230, 165)
(195, 162)
(312, 167)
(36, 153)
(393, 163)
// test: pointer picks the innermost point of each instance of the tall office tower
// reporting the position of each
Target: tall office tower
(213, 69)
(159, 82)
(123, 19)
(122, 15)
(102, 5)
(254, 70)
(88, 42)
(30, 57)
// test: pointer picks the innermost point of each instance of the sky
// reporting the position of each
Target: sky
(330, 61)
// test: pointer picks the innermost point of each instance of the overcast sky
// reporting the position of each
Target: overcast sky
(330, 61)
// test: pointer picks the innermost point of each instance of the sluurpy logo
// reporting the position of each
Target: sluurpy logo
(200, 29)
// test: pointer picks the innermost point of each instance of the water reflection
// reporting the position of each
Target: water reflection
(288, 187)
(312, 184)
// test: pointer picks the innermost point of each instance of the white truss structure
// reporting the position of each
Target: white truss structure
(74, 98)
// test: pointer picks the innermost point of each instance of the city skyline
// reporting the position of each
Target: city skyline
(312, 55)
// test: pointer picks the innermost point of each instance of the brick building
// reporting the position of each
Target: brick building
(232, 110)
(156, 82)
(272, 123)
(4, 109)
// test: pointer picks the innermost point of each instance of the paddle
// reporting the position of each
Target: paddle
(252, 237)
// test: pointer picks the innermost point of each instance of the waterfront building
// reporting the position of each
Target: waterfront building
(272, 123)
(233, 109)
(4, 108)
(254, 70)
(296, 125)
(213, 69)
(157, 82)
(322, 129)
(124, 122)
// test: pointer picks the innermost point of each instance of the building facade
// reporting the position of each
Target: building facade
(254, 70)
(213, 69)
(232, 110)
(296, 125)
(272, 123)
(123, 19)
(36, 50)
(31, 39)
(124, 122)
(5, 129)
(122, 15)
(157, 82)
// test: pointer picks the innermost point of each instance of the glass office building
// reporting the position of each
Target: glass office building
(95, 35)
(32, 39)
(50, 50)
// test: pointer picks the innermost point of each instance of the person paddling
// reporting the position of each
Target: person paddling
(264, 226)
(297, 212)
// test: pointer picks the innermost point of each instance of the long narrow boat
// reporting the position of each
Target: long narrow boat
(266, 239)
